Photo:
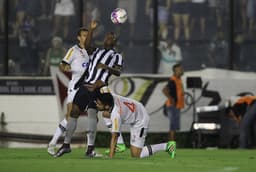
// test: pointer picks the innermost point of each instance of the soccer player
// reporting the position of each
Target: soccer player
(122, 110)
(102, 58)
(75, 61)
(103, 63)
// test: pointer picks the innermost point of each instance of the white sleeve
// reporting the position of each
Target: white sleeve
(116, 121)
(69, 56)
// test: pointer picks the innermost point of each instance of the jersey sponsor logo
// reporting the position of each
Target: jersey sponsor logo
(131, 106)
(85, 64)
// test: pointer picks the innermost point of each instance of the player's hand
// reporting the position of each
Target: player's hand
(67, 68)
(100, 66)
(93, 25)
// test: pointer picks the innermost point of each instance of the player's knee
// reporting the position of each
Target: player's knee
(75, 112)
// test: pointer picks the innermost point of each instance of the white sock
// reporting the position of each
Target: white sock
(92, 126)
(120, 139)
(59, 131)
(71, 127)
(151, 149)
(108, 123)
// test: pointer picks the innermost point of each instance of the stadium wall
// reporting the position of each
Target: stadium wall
(39, 113)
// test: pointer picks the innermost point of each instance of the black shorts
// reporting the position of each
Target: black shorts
(85, 99)
(82, 98)
(181, 8)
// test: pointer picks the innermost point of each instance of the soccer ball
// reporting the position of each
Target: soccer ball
(119, 16)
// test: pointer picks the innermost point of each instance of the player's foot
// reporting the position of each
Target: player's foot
(119, 148)
(93, 154)
(171, 148)
(65, 148)
(51, 149)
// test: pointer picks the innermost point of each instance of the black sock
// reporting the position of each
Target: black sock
(90, 148)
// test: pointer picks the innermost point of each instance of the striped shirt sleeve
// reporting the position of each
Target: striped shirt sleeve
(119, 60)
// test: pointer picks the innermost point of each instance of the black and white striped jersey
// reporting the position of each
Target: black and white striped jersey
(108, 57)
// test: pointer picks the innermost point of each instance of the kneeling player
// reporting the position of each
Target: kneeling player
(123, 110)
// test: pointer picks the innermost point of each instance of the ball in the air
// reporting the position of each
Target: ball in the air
(119, 16)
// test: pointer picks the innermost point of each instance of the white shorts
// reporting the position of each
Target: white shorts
(64, 8)
(71, 95)
(139, 130)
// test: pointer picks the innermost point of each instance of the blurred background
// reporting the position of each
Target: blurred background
(208, 33)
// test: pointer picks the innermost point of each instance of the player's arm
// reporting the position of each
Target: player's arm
(64, 66)
(113, 143)
(87, 44)
(116, 70)
(166, 91)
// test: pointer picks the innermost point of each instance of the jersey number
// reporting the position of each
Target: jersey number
(131, 106)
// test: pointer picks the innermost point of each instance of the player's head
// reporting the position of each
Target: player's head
(82, 35)
(104, 102)
(110, 40)
(178, 70)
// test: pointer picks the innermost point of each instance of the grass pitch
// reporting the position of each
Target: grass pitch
(187, 160)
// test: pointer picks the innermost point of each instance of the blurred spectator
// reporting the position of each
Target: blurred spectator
(63, 10)
(28, 39)
(240, 14)
(54, 55)
(170, 55)
(46, 9)
(131, 9)
(91, 12)
(2, 17)
(163, 16)
(199, 11)
(180, 10)
(23, 8)
(218, 51)
(251, 7)
(239, 59)
(219, 11)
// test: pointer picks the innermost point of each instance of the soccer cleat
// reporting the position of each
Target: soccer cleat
(51, 149)
(65, 148)
(93, 154)
(119, 148)
(171, 148)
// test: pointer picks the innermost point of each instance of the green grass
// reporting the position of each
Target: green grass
(187, 160)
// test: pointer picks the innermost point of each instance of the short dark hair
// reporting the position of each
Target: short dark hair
(106, 99)
(176, 66)
(81, 29)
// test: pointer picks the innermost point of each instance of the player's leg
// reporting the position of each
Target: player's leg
(91, 130)
(63, 124)
(173, 115)
(138, 136)
(58, 133)
(120, 147)
(140, 151)
(71, 127)
(81, 100)
(246, 124)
